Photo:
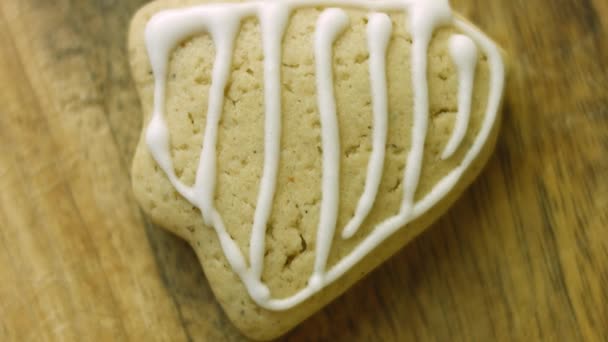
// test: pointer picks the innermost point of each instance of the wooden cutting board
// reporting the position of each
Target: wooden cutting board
(523, 256)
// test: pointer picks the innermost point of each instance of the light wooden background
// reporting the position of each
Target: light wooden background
(522, 257)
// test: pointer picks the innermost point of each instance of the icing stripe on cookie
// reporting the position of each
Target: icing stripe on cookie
(379, 30)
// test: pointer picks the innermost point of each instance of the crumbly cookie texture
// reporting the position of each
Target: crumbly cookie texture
(291, 231)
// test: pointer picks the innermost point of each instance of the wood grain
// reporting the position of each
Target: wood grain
(522, 257)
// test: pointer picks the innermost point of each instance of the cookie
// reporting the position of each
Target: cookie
(298, 144)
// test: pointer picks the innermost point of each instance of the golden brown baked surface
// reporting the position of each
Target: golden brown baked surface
(291, 232)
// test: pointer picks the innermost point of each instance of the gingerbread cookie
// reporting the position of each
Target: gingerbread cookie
(297, 144)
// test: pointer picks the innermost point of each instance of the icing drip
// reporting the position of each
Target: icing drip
(331, 24)
(222, 22)
(273, 22)
(379, 30)
(223, 37)
(464, 54)
(425, 16)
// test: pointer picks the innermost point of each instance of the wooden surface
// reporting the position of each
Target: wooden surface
(523, 256)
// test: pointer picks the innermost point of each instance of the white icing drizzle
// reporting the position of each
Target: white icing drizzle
(204, 187)
(273, 21)
(222, 22)
(379, 30)
(464, 55)
(331, 23)
(425, 16)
